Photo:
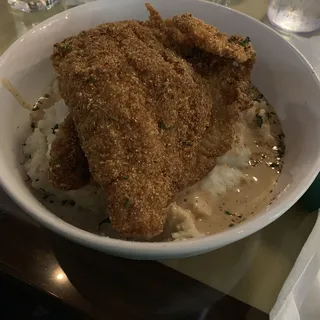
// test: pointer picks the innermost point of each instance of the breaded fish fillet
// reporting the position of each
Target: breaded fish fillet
(144, 97)
(68, 166)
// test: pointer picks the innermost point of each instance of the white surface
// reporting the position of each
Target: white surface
(299, 297)
(286, 79)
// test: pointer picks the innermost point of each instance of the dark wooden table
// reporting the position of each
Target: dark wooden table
(89, 284)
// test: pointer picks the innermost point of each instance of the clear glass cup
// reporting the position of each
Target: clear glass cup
(226, 2)
(32, 5)
(295, 15)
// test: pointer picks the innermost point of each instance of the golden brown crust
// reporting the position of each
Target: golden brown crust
(186, 29)
(68, 166)
(142, 106)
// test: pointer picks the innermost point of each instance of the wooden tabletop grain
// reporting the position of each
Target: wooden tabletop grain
(97, 286)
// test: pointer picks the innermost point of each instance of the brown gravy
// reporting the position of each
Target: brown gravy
(258, 130)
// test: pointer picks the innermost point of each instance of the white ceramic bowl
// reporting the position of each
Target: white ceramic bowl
(281, 73)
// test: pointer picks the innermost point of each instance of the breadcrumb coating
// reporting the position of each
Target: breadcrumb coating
(145, 98)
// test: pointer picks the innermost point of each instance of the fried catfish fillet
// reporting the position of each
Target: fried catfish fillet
(144, 97)
(68, 165)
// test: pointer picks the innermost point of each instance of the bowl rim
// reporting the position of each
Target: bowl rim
(152, 250)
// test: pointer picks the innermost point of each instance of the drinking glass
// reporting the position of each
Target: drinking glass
(32, 5)
(295, 15)
(226, 2)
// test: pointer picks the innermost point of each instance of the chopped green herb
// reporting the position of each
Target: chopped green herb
(67, 47)
(258, 98)
(127, 203)
(71, 202)
(228, 213)
(281, 148)
(56, 127)
(125, 177)
(245, 42)
(106, 220)
(259, 120)
(45, 193)
(274, 165)
(91, 78)
(187, 143)
(162, 125)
